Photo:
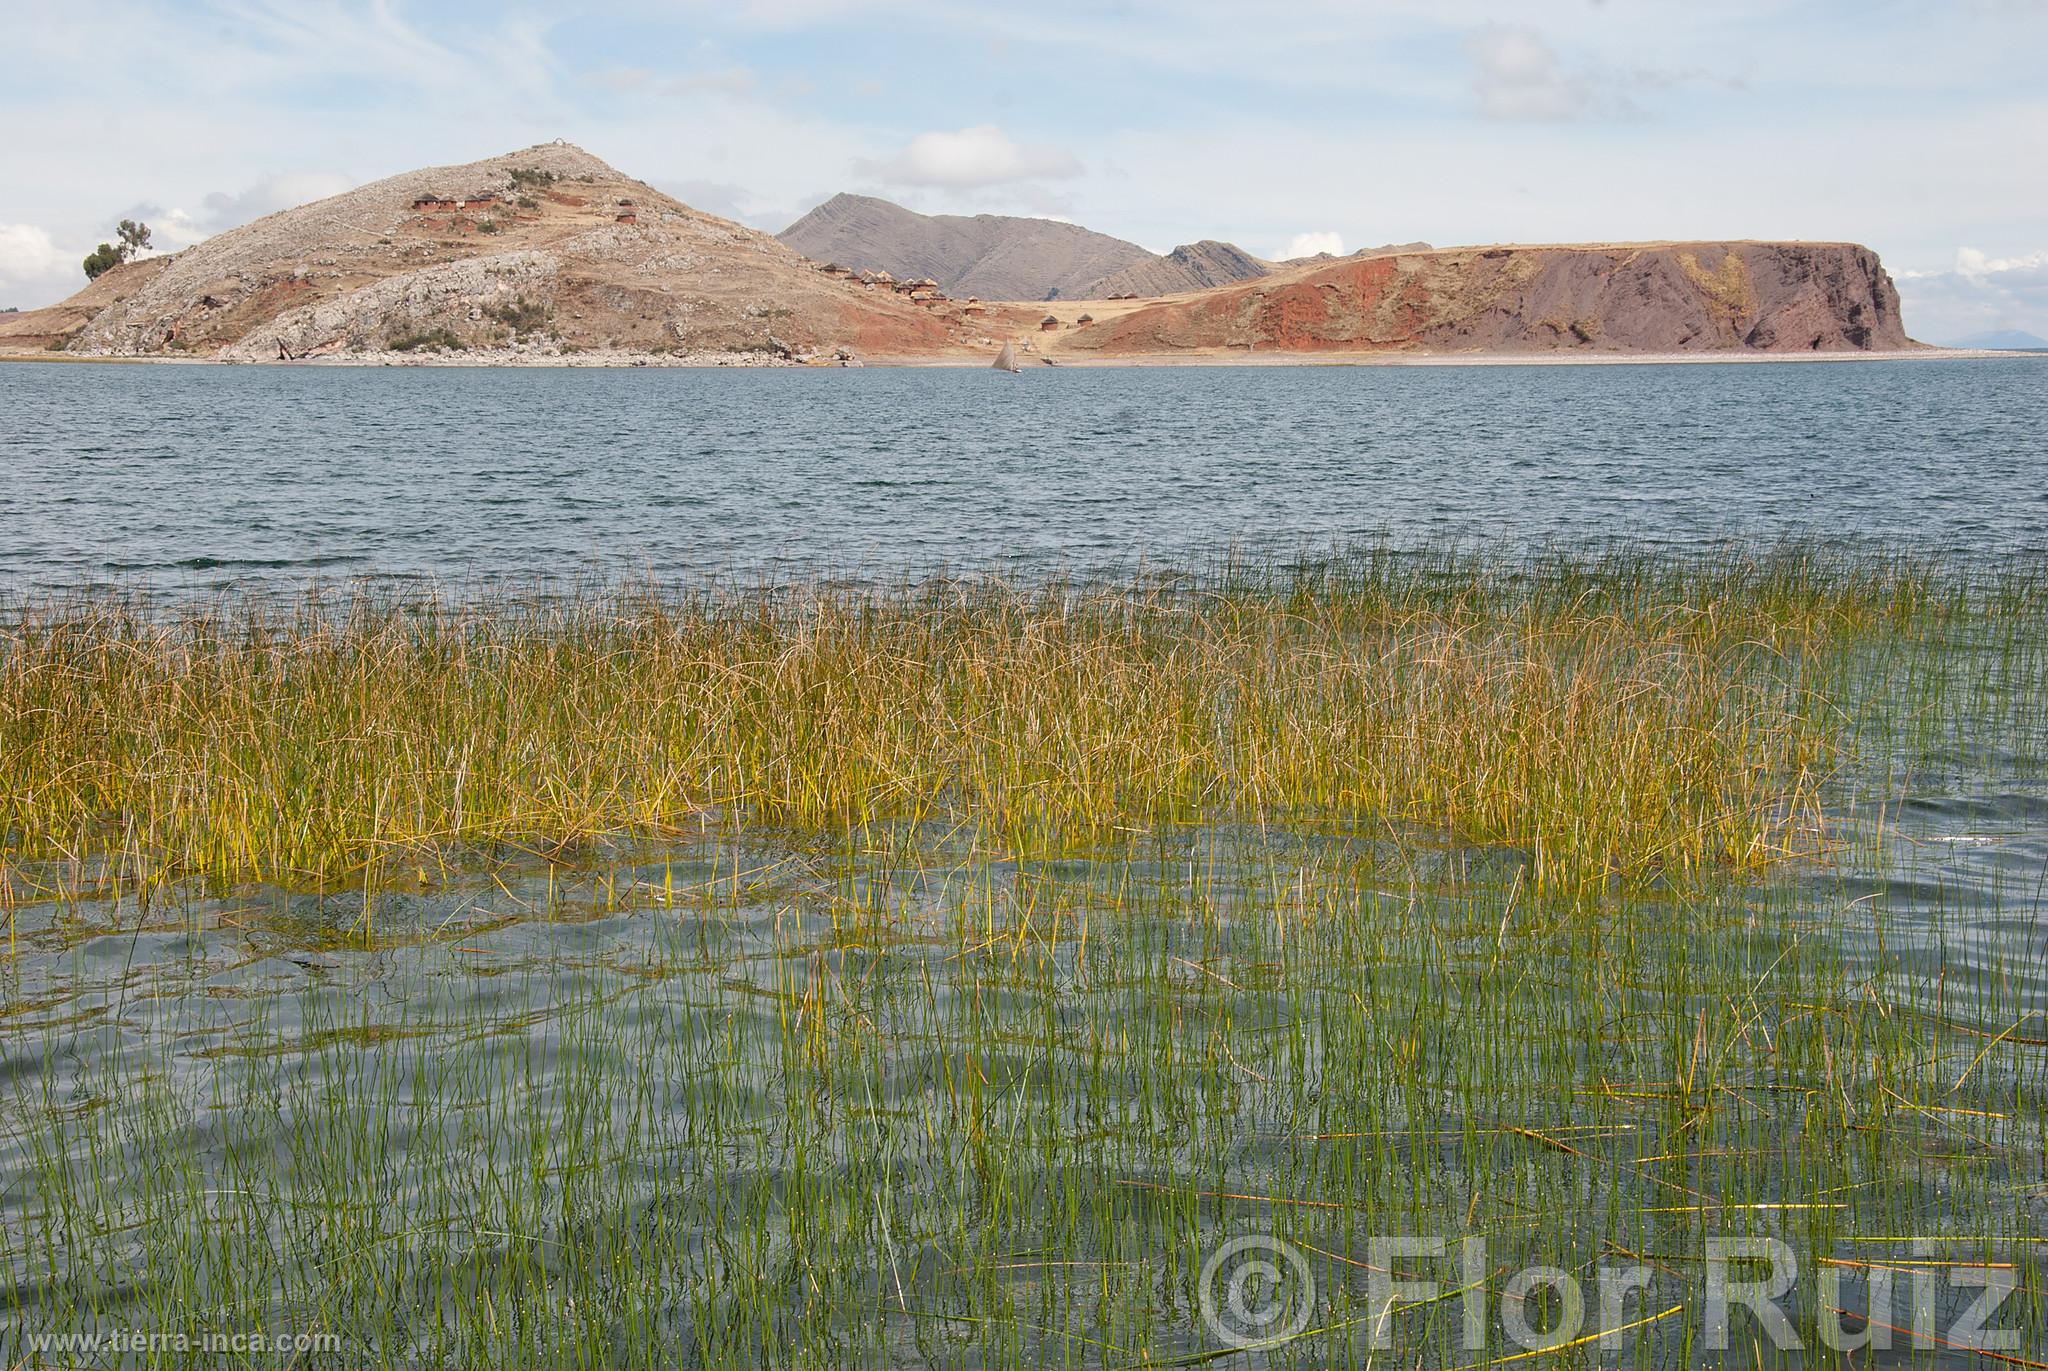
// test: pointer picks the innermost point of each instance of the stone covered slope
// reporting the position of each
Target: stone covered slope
(1192, 266)
(545, 249)
(1666, 297)
(993, 256)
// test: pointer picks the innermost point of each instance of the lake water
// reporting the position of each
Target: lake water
(766, 1096)
(196, 478)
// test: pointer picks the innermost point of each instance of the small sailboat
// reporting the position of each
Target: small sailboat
(1006, 360)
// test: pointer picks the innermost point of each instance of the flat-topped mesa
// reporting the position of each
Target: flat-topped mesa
(544, 248)
(1648, 298)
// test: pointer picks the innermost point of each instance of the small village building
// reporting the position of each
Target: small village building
(1048, 324)
(1085, 319)
(442, 204)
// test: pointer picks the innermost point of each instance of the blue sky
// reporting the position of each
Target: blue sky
(1919, 127)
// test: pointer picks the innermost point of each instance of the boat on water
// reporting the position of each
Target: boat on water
(1006, 360)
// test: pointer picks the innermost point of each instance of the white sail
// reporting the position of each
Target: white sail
(1006, 360)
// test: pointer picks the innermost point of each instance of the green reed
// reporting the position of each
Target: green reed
(843, 1080)
(1620, 721)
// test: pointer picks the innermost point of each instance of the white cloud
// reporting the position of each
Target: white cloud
(980, 156)
(34, 271)
(1981, 294)
(267, 195)
(1976, 264)
(1309, 244)
(1519, 76)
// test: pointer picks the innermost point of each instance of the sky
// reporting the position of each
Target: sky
(1918, 127)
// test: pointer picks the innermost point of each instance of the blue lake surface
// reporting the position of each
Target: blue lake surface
(198, 478)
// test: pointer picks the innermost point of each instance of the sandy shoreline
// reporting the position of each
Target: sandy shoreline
(754, 361)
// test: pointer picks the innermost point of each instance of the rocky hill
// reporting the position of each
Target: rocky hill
(1192, 266)
(993, 256)
(547, 249)
(1659, 297)
(548, 252)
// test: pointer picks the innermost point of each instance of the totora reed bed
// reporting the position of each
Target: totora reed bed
(940, 974)
(1614, 729)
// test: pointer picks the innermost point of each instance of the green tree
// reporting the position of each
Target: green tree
(134, 238)
(102, 259)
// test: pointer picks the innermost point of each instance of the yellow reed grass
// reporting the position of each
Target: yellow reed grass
(1657, 742)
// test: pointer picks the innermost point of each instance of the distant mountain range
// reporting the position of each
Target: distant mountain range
(1005, 257)
(2001, 340)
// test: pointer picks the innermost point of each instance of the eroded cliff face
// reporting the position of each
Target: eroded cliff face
(1667, 297)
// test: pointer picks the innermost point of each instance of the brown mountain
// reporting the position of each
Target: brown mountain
(546, 249)
(1192, 266)
(1655, 297)
(993, 256)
